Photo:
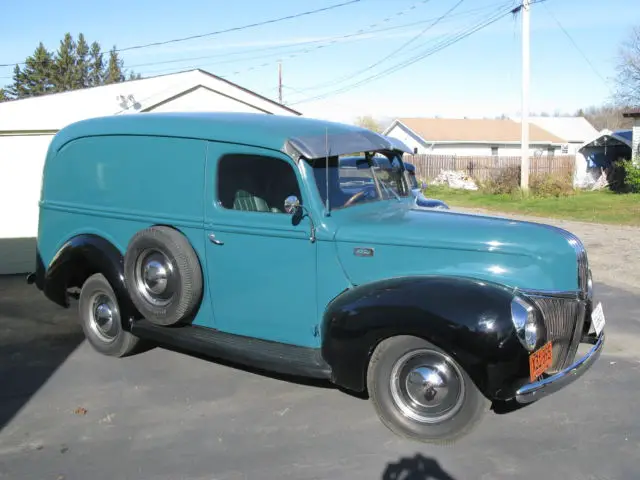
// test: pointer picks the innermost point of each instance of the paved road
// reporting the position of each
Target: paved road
(68, 413)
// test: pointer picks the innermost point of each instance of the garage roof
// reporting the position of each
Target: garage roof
(54, 111)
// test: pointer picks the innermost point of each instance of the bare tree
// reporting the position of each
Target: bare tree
(605, 116)
(628, 79)
(367, 121)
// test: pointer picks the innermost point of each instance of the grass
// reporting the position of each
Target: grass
(586, 206)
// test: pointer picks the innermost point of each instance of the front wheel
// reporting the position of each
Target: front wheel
(421, 393)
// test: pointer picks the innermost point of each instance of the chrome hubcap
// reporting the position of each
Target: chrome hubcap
(105, 317)
(427, 386)
(154, 277)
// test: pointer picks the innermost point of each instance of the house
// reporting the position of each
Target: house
(471, 137)
(28, 125)
(574, 130)
(635, 142)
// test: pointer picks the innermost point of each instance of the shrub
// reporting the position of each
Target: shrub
(507, 181)
(551, 185)
(631, 176)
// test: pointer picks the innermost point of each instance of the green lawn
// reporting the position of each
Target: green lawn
(600, 206)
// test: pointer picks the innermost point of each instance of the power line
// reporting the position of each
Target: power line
(370, 67)
(399, 66)
(383, 73)
(595, 70)
(299, 52)
(361, 31)
(218, 32)
(405, 64)
(332, 41)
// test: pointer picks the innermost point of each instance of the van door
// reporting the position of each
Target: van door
(261, 267)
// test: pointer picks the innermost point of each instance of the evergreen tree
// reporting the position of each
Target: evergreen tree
(115, 72)
(81, 74)
(37, 73)
(96, 68)
(73, 66)
(65, 63)
(18, 88)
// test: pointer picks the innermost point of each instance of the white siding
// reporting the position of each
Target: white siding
(21, 162)
(635, 142)
(400, 134)
(203, 99)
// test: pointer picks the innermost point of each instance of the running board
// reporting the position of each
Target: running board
(263, 354)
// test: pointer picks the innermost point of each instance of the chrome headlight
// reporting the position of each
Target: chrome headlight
(589, 286)
(523, 316)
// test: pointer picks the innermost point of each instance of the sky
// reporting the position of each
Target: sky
(385, 58)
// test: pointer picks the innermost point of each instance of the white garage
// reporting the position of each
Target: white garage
(27, 126)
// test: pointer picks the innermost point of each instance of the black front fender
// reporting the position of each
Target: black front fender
(469, 319)
(80, 257)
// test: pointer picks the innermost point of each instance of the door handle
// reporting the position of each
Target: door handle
(213, 239)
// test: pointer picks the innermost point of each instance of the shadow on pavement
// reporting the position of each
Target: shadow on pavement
(417, 468)
(36, 337)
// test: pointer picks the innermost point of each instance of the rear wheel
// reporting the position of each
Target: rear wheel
(421, 393)
(101, 321)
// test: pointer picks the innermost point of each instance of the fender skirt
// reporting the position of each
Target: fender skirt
(79, 257)
(469, 319)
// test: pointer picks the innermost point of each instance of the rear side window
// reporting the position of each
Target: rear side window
(255, 183)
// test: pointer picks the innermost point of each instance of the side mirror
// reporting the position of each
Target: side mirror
(291, 204)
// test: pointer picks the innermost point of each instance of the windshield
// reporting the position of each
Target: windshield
(359, 178)
(413, 180)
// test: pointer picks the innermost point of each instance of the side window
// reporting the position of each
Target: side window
(255, 183)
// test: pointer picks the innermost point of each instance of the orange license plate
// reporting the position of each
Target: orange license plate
(540, 360)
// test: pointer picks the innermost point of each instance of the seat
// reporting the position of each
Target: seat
(249, 203)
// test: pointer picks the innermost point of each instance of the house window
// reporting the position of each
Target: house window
(564, 149)
(551, 151)
(255, 183)
(494, 151)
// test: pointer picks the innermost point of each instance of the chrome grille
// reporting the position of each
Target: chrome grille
(564, 319)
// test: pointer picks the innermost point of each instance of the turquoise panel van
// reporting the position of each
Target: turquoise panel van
(229, 235)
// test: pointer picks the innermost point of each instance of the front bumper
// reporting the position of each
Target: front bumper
(540, 389)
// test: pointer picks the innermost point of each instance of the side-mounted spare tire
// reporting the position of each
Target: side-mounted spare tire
(163, 275)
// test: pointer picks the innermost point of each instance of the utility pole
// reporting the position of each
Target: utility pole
(280, 81)
(524, 162)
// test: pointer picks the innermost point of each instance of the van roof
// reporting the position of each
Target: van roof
(305, 136)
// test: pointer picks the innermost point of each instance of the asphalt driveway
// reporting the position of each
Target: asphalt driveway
(67, 412)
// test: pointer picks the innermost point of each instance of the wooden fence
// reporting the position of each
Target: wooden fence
(482, 168)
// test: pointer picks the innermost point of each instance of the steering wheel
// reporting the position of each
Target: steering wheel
(354, 198)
